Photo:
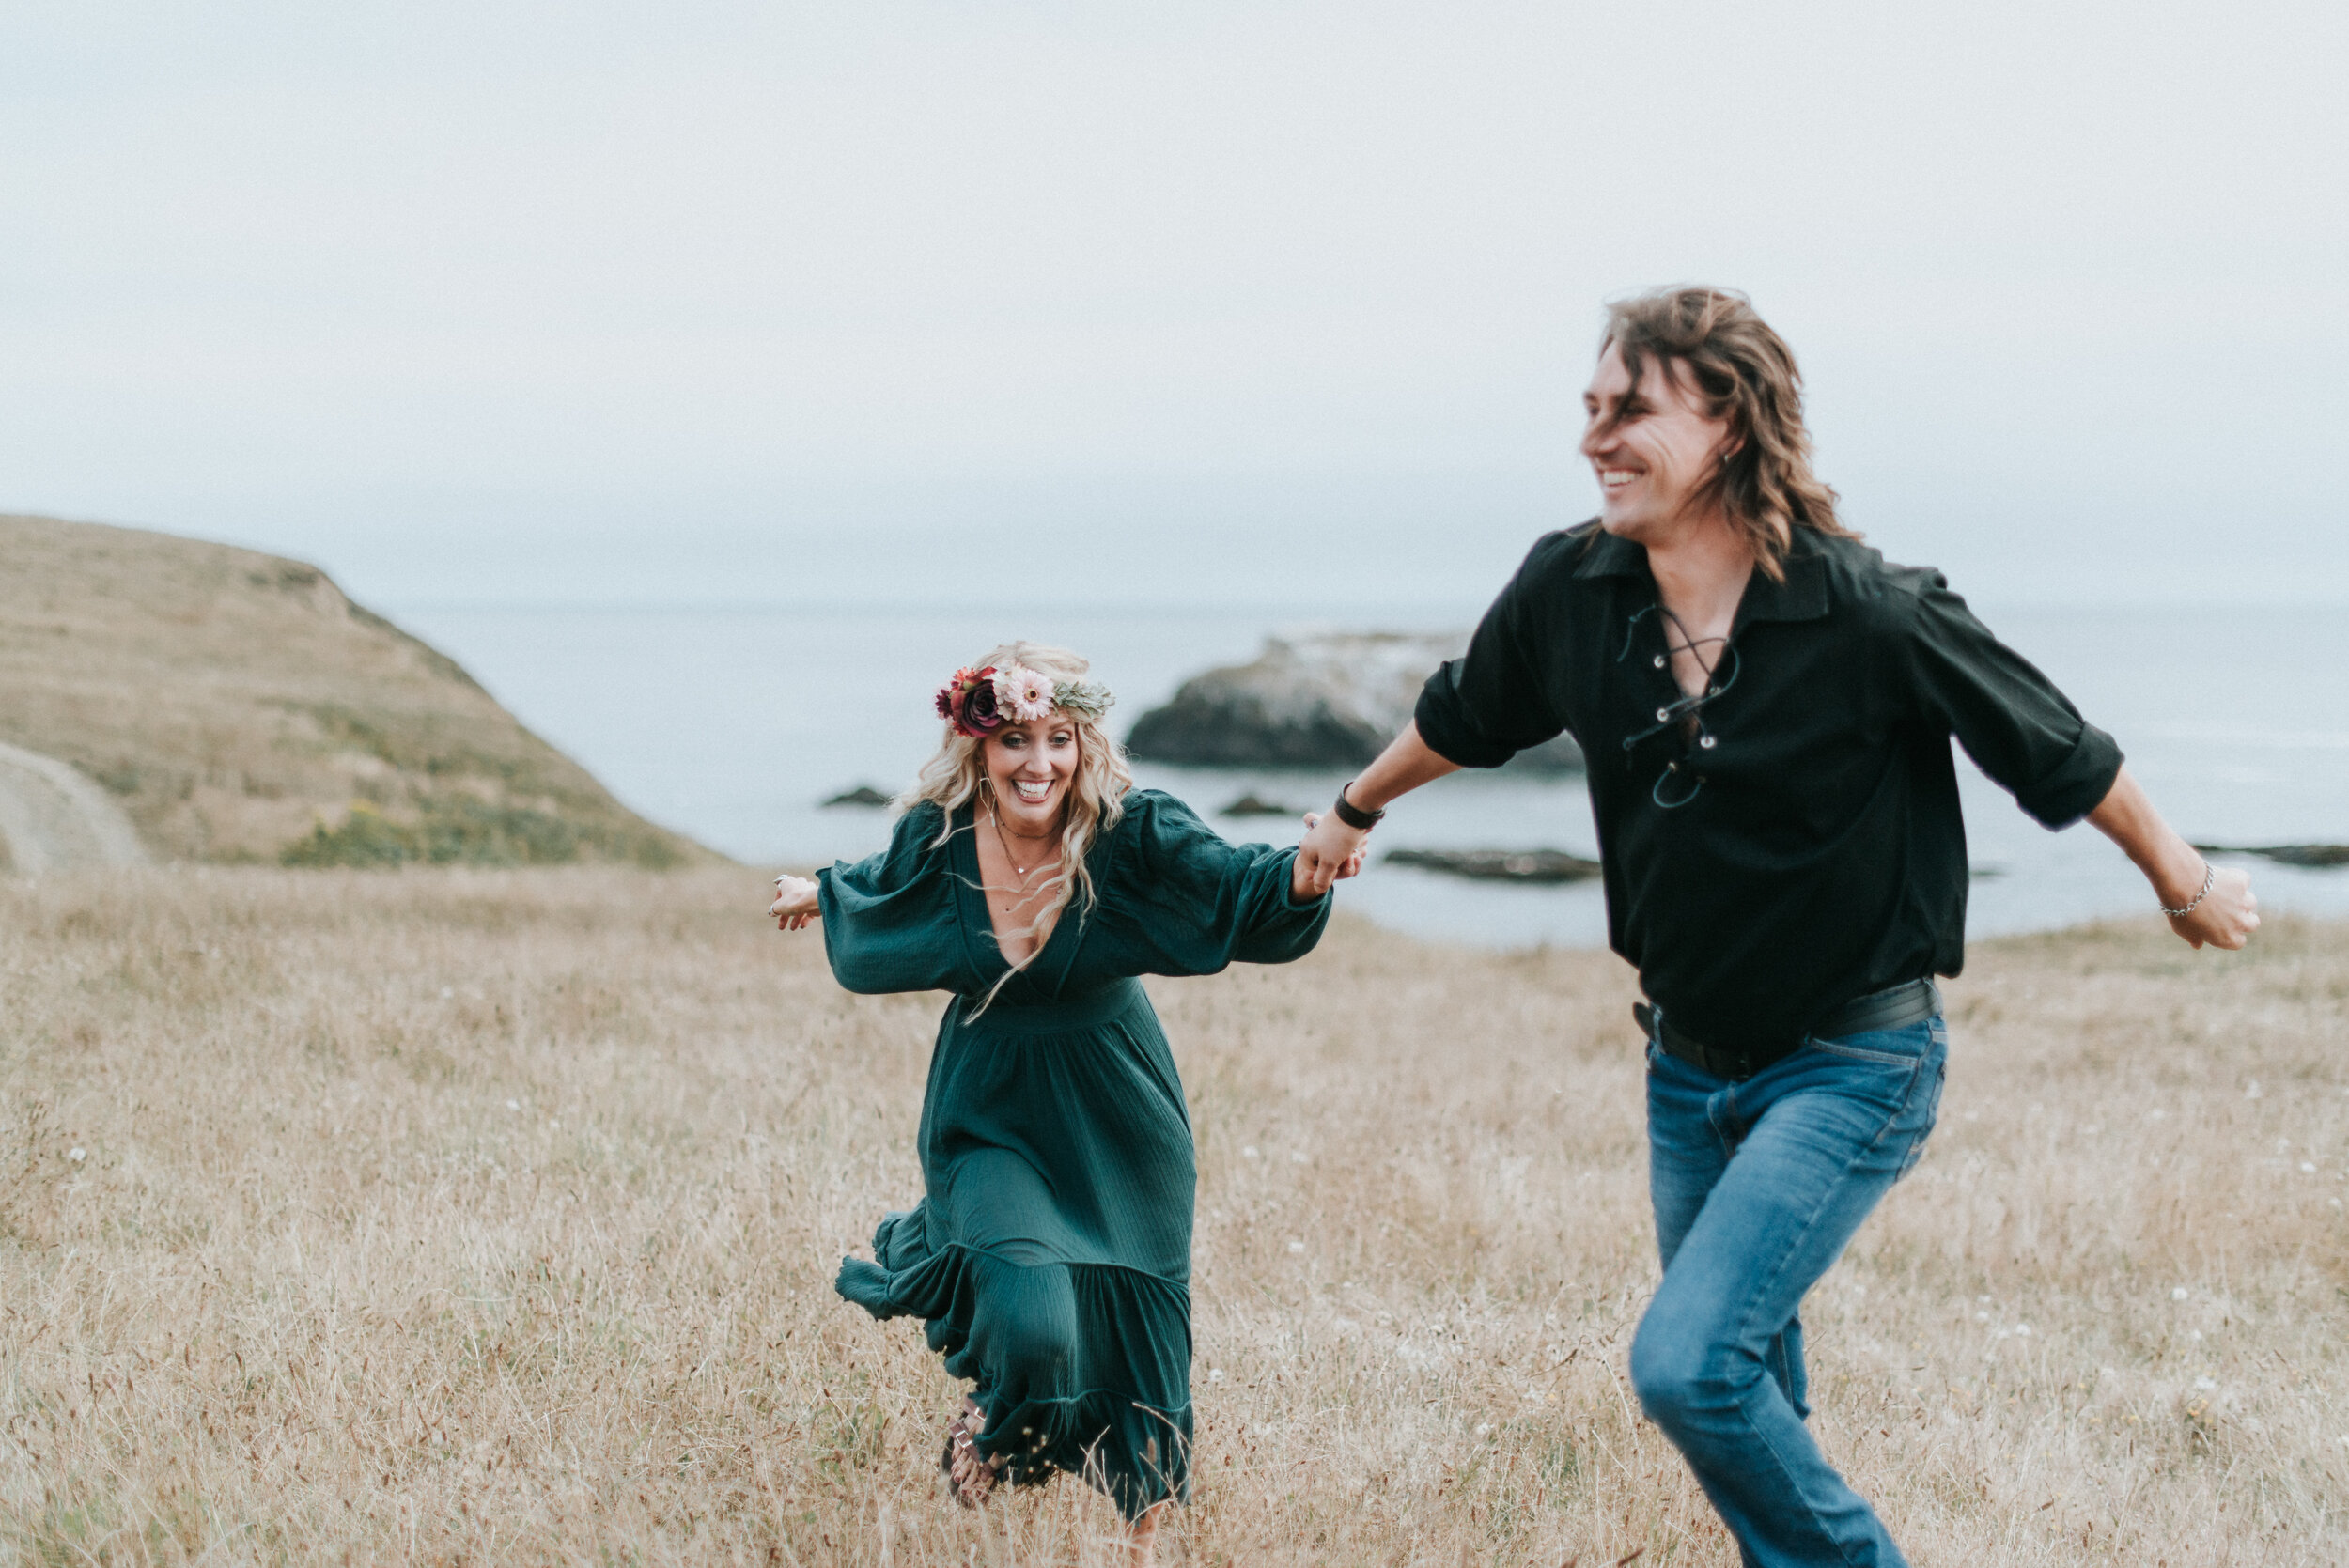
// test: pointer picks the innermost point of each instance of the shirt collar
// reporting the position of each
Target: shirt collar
(1608, 556)
(1802, 596)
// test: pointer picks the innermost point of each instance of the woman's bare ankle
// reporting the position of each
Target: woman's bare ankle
(1142, 1537)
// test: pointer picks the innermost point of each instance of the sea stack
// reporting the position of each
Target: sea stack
(1330, 699)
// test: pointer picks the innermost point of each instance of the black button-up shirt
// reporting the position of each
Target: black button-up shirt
(1795, 841)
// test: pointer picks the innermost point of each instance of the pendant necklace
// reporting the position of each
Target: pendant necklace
(1004, 839)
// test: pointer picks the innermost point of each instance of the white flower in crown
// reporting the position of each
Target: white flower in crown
(1023, 693)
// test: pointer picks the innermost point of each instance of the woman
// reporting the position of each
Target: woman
(1050, 1254)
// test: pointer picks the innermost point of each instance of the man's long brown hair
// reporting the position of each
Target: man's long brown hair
(1711, 341)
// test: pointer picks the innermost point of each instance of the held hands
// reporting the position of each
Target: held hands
(2227, 914)
(1329, 852)
(795, 903)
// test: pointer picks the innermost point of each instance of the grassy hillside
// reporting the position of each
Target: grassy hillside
(241, 708)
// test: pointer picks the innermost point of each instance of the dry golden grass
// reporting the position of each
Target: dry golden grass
(490, 1217)
(231, 700)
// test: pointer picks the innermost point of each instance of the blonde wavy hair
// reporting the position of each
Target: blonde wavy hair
(955, 776)
(1746, 375)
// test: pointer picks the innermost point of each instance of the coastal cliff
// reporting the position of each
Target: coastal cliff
(239, 707)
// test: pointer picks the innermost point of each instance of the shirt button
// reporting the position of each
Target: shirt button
(1709, 742)
(1663, 715)
(1659, 661)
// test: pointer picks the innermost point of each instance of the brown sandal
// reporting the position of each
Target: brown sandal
(970, 1477)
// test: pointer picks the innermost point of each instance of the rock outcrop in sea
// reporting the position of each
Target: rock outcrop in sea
(1500, 865)
(1323, 700)
(2309, 857)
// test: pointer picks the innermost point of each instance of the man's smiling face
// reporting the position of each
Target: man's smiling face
(1652, 445)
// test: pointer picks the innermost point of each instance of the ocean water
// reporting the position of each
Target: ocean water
(733, 725)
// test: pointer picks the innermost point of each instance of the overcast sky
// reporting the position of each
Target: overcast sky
(1180, 300)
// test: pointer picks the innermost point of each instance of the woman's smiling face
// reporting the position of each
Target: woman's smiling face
(1030, 766)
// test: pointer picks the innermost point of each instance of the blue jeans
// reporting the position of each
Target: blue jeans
(1758, 1186)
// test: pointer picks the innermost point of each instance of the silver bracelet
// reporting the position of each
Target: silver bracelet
(2210, 874)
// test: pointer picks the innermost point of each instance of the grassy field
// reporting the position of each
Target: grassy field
(489, 1216)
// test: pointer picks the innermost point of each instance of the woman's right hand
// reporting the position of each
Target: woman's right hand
(795, 903)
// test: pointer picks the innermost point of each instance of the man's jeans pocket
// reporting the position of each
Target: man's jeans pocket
(1907, 1066)
(1904, 1046)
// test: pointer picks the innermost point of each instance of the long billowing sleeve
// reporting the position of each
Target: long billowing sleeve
(2010, 718)
(890, 921)
(1185, 901)
(1484, 708)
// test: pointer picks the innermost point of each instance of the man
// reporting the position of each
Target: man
(1765, 706)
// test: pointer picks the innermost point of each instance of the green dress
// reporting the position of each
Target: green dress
(1050, 1253)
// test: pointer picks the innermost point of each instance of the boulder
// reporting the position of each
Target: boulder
(2314, 857)
(1254, 804)
(1499, 865)
(1323, 700)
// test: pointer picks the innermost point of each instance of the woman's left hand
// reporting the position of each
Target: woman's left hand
(795, 903)
(1300, 885)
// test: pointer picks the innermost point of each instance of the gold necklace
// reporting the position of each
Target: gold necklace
(996, 818)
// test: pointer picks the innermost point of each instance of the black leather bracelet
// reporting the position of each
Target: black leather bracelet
(1353, 816)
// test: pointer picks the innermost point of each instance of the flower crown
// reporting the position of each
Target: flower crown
(980, 702)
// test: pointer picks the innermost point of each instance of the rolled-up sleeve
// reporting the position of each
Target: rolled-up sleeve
(2010, 718)
(1484, 708)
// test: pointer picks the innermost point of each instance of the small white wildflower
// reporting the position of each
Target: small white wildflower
(1215, 1374)
(1982, 1317)
(2252, 1089)
(1298, 1157)
(1297, 1247)
(513, 1105)
(2024, 1330)
(2194, 1334)
(2308, 1167)
(2177, 1293)
(77, 1154)
(1482, 1427)
(2205, 1384)
(1248, 1153)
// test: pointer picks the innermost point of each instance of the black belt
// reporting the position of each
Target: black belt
(1895, 1008)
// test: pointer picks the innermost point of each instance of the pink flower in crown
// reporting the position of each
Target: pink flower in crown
(1022, 693)
(950, 695)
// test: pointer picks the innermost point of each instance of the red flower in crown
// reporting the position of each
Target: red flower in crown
(968, 703)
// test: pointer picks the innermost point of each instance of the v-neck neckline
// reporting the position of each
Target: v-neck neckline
(978, 921)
